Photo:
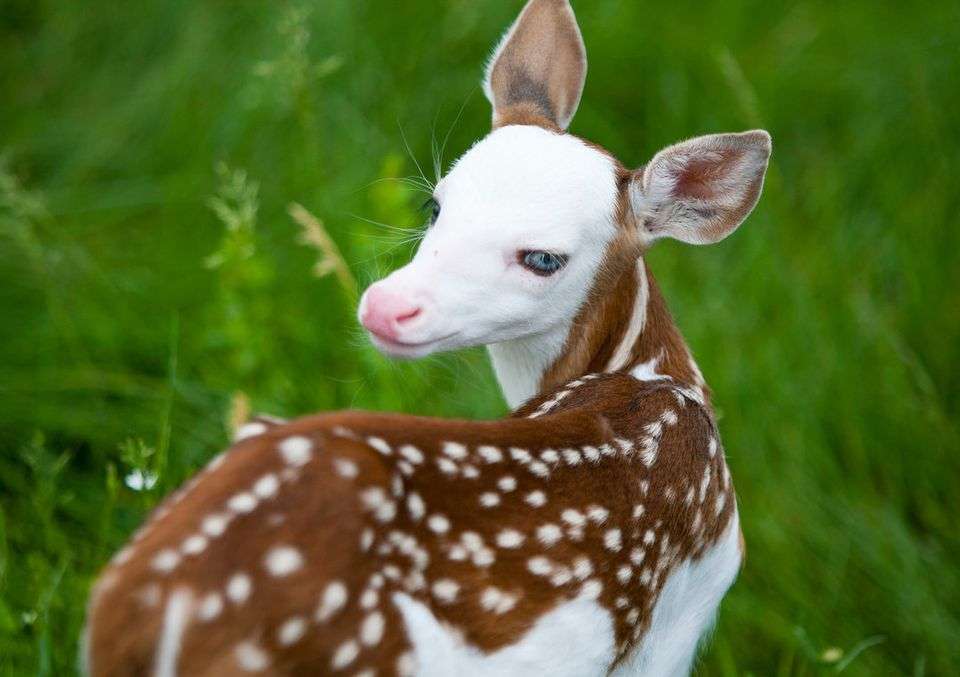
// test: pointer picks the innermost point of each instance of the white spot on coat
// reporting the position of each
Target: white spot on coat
(283, 561)
(214, 525)
(238, 588)
(561, 576)
(166, 561)
(371, 631)
(447, 467)
(380, 445)
(149, 595)
(520, 455)
(445, 590)
(346, 468)
(483, 557)
(489, 499)
(210, 607)
(369, 599)
(332, 600)
(412, 454)
(539, 468)
(242, 503)
(510, 538)
(194, 545)
(266, 486)
(592, 589)
(251, 657)
(540, 566)
(249, 430)
(345, 654)
(406, 665)
(582, 567)
(496, 600)
(490, 454)
(455, 450)
(549, 534)
(536, 498)
(416, 506)
(573, 517)
(598, 513)
(296, 450)
(549, 456)
(438, 524)
(612, 540)
(292, 631)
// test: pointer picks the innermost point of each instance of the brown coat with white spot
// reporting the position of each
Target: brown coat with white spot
(601, 487)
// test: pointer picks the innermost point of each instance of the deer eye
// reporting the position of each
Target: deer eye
(432, 208)
(541, 262)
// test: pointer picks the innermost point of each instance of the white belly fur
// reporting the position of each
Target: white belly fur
(576, 639)
(572, 640)
(686, 610)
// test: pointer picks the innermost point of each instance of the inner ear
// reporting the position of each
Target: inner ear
(699, 191)
(538, 69)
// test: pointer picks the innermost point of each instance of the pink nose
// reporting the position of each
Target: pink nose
(385, 313)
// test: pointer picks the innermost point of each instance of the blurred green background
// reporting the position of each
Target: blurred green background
(154, 285)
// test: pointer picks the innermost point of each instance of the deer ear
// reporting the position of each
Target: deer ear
(700, 190)
(539, 67)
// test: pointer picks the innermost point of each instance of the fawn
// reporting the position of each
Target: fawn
(594, 531)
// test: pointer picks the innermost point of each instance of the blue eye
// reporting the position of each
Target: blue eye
(542, 263)
(432, 207)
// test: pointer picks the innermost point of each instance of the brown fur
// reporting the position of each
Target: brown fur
(525, 114)
(324, 518)
(603, 320)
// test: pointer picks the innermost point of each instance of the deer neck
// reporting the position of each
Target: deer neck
(624, 325)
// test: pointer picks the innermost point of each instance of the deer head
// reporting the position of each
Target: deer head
(533, 219)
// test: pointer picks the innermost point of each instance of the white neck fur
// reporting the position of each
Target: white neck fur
(519, 364)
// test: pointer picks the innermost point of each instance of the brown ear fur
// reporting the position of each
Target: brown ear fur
(538, 70)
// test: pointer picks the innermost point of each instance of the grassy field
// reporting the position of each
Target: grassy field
(154, 285)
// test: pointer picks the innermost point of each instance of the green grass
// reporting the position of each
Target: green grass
(151, 277)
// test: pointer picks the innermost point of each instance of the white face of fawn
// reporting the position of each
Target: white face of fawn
(523, 220)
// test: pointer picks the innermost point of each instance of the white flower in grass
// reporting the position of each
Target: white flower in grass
(140, 480)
